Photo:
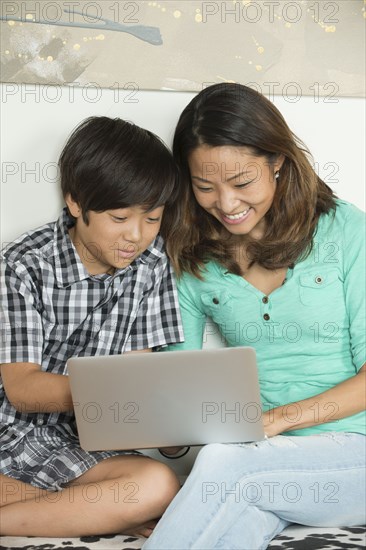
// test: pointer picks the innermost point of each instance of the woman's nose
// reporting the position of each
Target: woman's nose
(227, 201)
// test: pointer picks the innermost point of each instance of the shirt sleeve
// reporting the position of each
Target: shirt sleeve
(193, 316)
(20, 321)
(158, 320)
(354, 268)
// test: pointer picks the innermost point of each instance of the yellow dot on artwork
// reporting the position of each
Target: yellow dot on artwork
(100, 37)
(177, 14)
(258, 67)
(85, 38)
(260, 49)
(19, 55)
(250, 62)
(50, 58)
(198, 10)
(163, 9)
(198, 18)
(364, 14)
(288, 25)
(154, 4)
(29, 17)
(11, 23)
(330, 28)
(64, 42)
(7, 52)
(76, 47)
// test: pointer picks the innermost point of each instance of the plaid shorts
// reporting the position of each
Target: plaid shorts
(49, 457)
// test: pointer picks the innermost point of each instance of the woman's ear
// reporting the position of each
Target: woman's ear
(278, 164)
(73, 206)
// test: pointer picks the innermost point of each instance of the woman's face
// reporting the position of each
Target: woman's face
(234, 186)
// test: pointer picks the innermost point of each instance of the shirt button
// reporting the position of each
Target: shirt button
(318, 279)
(265, 299)
(216, 301)
(266, 317)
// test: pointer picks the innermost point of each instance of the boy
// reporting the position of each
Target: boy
(96, 282)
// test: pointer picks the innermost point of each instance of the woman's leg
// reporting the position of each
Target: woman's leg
(118, 494)
(242, 496)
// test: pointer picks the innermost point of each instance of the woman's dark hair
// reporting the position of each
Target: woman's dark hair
(235, 115)
(111, 163)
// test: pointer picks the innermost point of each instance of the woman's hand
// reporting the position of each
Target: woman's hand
(273, 422)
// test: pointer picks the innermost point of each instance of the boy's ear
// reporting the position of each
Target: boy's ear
(73, 206)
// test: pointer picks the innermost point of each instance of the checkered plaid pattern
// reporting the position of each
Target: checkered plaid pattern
(52, 309)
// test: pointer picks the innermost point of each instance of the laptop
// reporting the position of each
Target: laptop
(163, 399)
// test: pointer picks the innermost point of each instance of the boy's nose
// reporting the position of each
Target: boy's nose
(132, 233)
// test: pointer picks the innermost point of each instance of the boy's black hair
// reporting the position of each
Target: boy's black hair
(111, 163)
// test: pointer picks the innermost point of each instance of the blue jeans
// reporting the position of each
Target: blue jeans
(242, 496)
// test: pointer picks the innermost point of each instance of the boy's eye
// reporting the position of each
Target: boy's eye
(117, 219)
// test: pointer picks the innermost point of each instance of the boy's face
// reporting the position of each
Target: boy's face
(115, 238)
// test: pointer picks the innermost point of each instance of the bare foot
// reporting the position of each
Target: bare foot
(142, 530)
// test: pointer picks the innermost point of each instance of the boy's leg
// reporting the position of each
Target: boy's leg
(119, 494)
(242, 496)
(12, 490)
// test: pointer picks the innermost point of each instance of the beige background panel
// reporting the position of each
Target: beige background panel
(293, 48)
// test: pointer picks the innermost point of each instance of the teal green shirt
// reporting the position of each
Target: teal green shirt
(309, 334)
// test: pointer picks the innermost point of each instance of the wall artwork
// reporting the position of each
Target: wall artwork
(293, 48)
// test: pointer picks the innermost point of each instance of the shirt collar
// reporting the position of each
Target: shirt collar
(68, 265)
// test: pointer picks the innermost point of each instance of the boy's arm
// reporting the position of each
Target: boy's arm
(31, 390)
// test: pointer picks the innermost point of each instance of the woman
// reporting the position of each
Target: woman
(263, 247)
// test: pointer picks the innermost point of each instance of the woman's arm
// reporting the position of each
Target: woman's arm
(192, 314)
(31, 390)
(345, 399)
(348, 397)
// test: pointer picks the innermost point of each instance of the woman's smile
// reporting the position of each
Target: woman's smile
(235, 219)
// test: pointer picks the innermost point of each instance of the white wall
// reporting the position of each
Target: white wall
(36, 120)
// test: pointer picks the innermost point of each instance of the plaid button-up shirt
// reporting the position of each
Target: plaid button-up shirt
(53, 309)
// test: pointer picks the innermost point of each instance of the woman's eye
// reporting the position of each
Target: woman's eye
(241, 185)
(153, 220)
(204, 189)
